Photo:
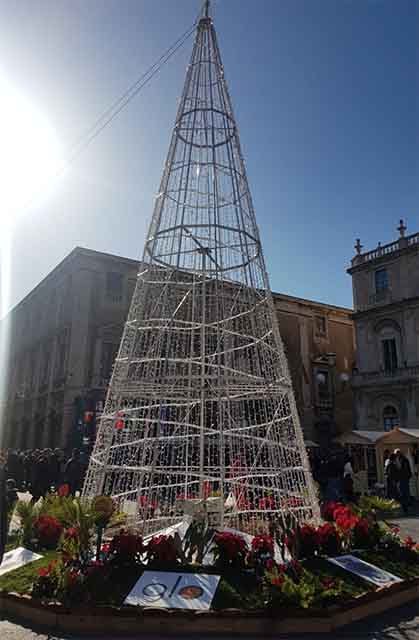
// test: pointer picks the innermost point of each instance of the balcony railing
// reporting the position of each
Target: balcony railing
(400, 374)
(386, 249)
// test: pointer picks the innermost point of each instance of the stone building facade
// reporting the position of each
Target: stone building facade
(65, 334)
(320, 346)
(386, 317)
(63, 338)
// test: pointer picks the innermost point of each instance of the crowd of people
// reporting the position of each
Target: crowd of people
(40, 471)
(333, 472)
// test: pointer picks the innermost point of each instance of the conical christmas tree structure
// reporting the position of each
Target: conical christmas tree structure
(200, 402)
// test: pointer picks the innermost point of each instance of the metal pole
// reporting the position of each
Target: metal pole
(202, 417)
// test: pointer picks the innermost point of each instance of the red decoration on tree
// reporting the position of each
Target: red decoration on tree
(119, 424)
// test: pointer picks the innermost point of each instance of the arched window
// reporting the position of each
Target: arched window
(390, 418)
(389, 335)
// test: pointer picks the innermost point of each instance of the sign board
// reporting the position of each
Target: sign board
(365, 570)
(166, 590)
(17, 558)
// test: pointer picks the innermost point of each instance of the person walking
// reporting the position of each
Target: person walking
(404, 475)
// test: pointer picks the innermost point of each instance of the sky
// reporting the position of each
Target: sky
(326, 96)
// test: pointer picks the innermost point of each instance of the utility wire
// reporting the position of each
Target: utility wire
(116, 107)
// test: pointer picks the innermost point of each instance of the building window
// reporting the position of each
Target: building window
(381, 280)
(320, 324)
(389, 354)
(390, 418)
(324, 390)
(114, 286)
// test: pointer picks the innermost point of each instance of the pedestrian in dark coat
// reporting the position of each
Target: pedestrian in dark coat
(404, 475)
(73, 473)
(392, 477)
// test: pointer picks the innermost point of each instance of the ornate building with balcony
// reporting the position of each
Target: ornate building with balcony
(386, 317)
(64, 336)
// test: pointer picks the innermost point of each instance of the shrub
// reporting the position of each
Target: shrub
(46, 584)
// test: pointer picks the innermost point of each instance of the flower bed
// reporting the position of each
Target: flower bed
(83, 569)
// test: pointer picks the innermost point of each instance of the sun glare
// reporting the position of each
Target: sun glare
(30, 154)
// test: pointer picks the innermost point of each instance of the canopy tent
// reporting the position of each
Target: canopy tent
(368, 448)
(361, 446)
(407, 440)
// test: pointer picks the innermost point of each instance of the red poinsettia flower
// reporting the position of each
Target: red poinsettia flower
(126, 545)
(328, 509)
(277, 581)
(63, 490)
(345, 518)
(48, 530)
(409, 542)
(328, 539)
(162, 549)
(263, 544)
(363, 526)
(72, 533)
(46, 571)
(230, 545)
(328, 582)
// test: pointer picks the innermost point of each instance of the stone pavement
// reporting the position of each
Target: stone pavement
(398, 624)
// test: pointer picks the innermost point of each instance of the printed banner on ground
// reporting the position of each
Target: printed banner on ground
(365, 570)
(174, 590)
(17, 558)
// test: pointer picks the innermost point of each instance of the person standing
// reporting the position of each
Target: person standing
(404, 475)
(73, 472)
(391, 472)
(348, 479)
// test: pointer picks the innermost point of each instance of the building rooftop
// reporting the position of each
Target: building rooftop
(403, 243)
(84, 251)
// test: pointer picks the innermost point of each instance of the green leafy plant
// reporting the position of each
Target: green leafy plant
(377, 505)
(196, 541)
(27, 514)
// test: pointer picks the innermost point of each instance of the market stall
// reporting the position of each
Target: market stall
(407, 440)
(361, 446)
